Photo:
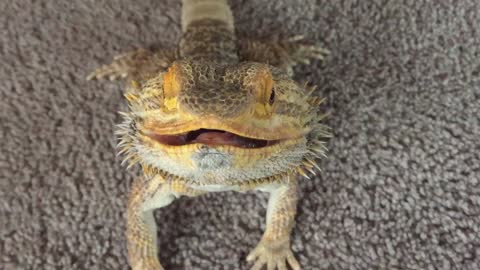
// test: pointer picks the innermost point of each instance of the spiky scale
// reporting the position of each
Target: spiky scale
(313, 163)
(302, 172)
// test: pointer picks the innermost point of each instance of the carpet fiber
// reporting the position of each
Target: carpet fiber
(400, 189)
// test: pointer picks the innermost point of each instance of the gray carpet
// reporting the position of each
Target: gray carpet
(400, 189)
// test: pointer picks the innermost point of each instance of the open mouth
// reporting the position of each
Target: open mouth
(211, 137)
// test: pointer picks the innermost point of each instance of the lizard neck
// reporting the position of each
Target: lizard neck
(208, 32)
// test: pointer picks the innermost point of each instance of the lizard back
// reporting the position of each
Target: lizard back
(208, 32)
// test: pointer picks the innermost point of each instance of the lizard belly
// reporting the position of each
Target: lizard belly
(264, 187)
(215, 188)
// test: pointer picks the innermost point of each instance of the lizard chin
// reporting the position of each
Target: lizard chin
(211, 137)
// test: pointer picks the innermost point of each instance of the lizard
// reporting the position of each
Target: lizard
(217, 113)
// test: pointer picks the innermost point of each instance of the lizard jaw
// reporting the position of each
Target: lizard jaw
(211, 137)
(257, 131)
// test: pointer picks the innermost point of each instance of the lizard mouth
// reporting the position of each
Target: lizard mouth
(213, 137)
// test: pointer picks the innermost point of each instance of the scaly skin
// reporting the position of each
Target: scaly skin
(217, 114)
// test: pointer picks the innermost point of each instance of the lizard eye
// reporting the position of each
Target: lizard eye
(171, 87)
(263, 86)
(272, 98)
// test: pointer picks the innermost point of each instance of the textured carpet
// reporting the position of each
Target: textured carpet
(400, 189)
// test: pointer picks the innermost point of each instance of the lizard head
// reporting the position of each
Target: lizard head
(209, 123)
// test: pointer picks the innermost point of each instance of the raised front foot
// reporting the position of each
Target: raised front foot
(280, 52)
(275, 255)
(136, 65)
(302, 51)
(122, 65)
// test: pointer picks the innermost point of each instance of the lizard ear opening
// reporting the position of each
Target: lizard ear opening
(171, 87)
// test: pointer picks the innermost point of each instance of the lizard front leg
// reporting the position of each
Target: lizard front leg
(274, 248)
(145, 196)
(137, 65)
(282, 53)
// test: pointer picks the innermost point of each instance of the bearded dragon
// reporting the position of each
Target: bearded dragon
(217, 113)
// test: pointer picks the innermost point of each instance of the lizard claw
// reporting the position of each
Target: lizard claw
(304, 52)
(151, 264)
(274, 255)
(112, 72)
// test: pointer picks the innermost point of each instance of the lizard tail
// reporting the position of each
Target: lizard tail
(194, 10)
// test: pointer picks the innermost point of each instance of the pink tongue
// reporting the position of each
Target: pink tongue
(214, 137)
